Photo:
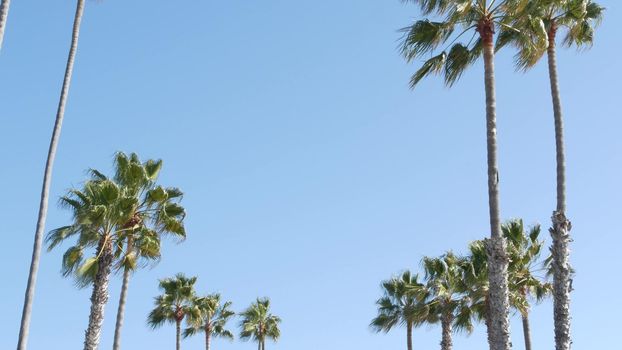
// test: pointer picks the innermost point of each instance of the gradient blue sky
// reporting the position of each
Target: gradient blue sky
(311, 171)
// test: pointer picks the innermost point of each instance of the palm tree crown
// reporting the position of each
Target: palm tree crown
(403, 304)
(259, 324)
(447, 298)
(534, 27)
(175, 302)
(209, 316)
(461, 30)
(111, 211)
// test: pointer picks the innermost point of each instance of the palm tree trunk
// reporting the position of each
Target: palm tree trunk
(409, 336)
(4, 13)
(446, 321)
(99, 298)
(560, 231)
(208, 339)
(526, 331)
(121, 311)
(497, 259)
(178, 334)
(259, 345)
(47, 178)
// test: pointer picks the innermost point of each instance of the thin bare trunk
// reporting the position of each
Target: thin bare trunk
(99, 298)
(409, 336)
(526, 331)
(47, 178)
(178, 335)
(497, 259)
(4, 14)
(560, 231)
(208, 338)
(446, 341)
(121, 311)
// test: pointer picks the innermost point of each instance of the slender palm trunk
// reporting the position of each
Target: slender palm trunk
(208, 338)
(178, 334)
(446, 321)
(526, 331)
(409, 336)
(4, 13)
(497, 259)
(560, 231)
(47, 178)
(121, 311)
(99, 298)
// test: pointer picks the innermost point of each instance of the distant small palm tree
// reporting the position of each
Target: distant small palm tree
(403, 304)
(524, 250)
(534, 33)
(447, 298)
(174, 304)
(210, 317)
(259, 324)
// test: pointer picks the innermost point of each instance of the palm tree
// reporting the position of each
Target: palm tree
(403, 304)
(539, 24)
(524, 250)
(259, 324)
(47, 176)
(479, 17)
(447, 298)
(105, 214)
(4, 13)
(142, 244)
(210, 317)
(174, 304)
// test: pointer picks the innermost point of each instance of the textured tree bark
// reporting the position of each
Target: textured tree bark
(47, 178)
(121, 311)
(497, 259)
(446, 321)
(526, 331)
(99, 297)
(409, 336)
(208, 338)
(4, 14)
(560, 231)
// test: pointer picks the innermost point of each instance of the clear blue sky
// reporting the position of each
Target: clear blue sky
(311, 171)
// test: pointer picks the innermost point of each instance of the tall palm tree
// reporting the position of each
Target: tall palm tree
(174, 304)
(47, 176)
(4, 13)
(142, 244)
(105, 213)
(539, 24)
(210, 317)
(403, 304)
(447, 298)
(480, 18)
(259, 324)
(524, 250)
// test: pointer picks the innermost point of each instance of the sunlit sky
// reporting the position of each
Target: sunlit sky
(311, 172)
